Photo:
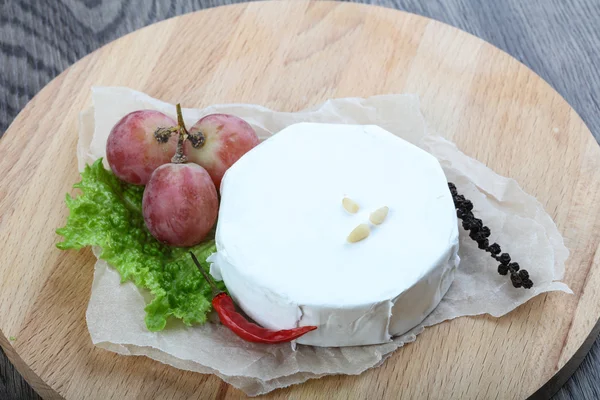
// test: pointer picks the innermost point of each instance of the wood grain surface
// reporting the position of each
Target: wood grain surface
(519, 146)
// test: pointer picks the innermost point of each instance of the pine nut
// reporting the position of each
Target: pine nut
(379, 215)
(359, 233)
(350, 205)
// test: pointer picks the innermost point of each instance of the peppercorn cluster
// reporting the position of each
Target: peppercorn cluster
(480, 233)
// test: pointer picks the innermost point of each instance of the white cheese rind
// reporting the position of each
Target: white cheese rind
(281, 236)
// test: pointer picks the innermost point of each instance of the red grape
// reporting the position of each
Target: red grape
(132, 151)
(180, 204)
(227, 138)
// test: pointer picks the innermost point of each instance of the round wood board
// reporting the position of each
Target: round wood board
(288, 56)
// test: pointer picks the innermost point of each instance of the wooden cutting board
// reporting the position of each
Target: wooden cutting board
(288, 56)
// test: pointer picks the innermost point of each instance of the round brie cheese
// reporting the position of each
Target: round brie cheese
(282, 245)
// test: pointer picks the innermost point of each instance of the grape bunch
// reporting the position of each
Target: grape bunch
(180, 202)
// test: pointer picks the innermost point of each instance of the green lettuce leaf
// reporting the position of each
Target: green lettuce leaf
(108, 214)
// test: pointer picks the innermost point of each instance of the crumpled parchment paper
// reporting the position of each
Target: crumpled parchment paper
(115, 314)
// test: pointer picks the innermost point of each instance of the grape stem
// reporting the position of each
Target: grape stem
(179, 157)
(162, 135)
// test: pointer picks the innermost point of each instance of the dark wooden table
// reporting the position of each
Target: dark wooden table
(558, 39)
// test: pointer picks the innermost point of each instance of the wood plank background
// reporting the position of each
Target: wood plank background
(557, 39)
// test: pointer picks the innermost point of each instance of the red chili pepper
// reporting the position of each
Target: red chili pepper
(239, 325)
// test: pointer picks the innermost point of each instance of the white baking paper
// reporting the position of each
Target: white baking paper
(115, 314)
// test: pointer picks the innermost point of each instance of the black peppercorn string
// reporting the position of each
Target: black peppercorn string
(480, 233)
